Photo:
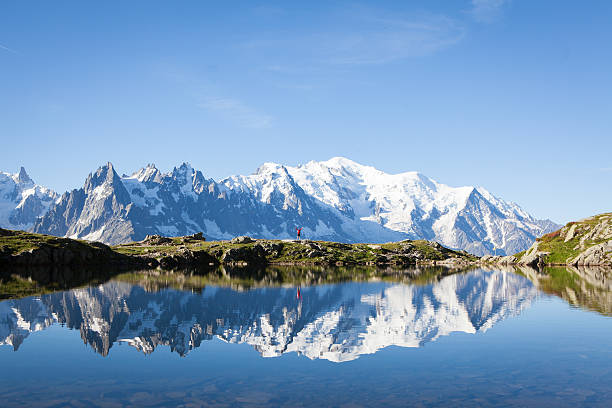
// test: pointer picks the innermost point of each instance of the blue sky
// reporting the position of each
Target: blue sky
(511, 95)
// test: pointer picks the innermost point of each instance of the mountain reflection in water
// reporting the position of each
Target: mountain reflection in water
(337, 322)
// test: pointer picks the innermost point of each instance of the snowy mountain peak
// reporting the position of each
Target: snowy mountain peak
(418, 206)
(270, 168)
(22, 201)
(337, 199)
(345, 166)
(147, 174)
(343, 162)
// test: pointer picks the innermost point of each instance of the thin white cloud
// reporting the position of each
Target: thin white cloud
(386, 40)
(363, 36)
(487, 11)
(5, 48)
(205, 95)
(268, 11)
(237, 112)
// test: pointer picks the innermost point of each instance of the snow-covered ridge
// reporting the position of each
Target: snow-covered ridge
(334, 322)
(337, 199)
(22, 200)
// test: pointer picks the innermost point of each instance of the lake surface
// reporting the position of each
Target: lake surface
(476, 338)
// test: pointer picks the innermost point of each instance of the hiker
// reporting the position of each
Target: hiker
(299, 233)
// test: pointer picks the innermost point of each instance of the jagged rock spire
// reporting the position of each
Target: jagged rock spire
(23, 176)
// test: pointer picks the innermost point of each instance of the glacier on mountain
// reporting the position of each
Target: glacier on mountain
(337, 200)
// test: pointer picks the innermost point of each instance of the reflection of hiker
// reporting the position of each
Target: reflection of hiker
(299, 233)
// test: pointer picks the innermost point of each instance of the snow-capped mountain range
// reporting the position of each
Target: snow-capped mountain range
(22, 200)
(335, 322)
(336, 200)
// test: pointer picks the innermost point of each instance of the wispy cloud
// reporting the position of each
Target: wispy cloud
(268, 11)
(206, 95)
(364, 36)
(5, 48)
(487, 11)
(606, 169)
(385, 40)
(237, 112)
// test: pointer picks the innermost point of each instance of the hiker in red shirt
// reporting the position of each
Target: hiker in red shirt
(299, 232)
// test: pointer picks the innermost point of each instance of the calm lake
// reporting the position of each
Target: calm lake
(482, 337)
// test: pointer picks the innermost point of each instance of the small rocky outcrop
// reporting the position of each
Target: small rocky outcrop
(500, 260)
(255, 254)
(242, 240)
(587, 242)
(186, 258)
(197, 237)
(156, 240)
(272, 249)
(533, 257)
(22, 249)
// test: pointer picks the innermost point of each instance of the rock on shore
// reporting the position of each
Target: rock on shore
(587, 242)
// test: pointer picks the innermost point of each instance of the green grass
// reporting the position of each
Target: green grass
(519, 255)
(16, 242)
(297, 252)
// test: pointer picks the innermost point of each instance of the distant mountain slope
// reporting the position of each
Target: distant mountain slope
(584, 242)
(336, 200)
(22, 200)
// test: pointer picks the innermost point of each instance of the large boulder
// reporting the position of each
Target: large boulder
(507, 260)
(600, 254)
(534, 259)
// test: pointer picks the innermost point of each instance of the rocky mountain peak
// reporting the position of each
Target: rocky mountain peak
(186, 178)
(104, 175)
(184, 168)
(23, 176)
